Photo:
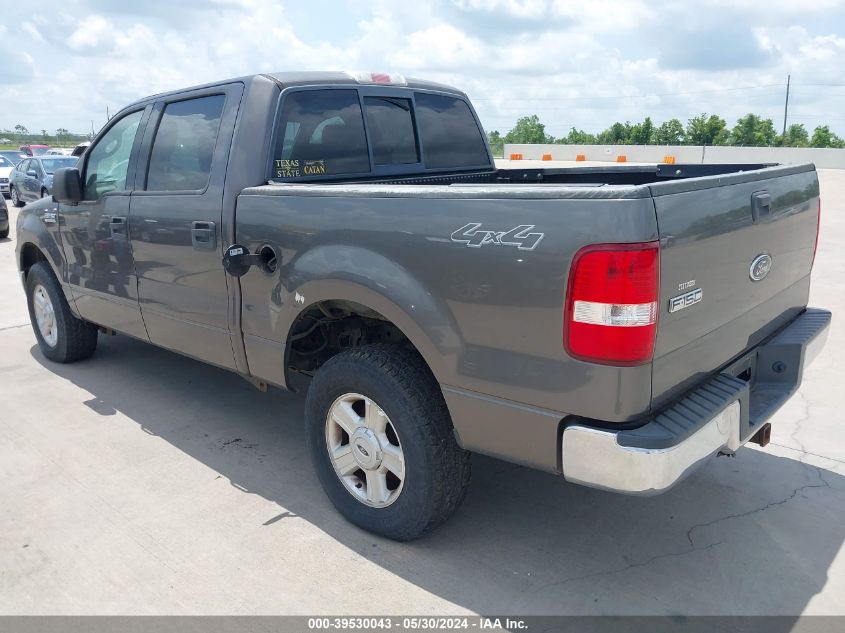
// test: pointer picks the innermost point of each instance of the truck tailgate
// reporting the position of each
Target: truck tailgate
(713, 231)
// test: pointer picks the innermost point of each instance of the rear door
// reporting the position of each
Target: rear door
(736, 255)
(176, 218)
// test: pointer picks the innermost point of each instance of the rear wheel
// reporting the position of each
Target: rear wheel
(61, 336)
(13, 194)
(382, 442)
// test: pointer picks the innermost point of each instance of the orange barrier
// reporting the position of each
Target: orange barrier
(547, 156)
(669, 160)
(580, 157)
(516, 156)
(621, 158)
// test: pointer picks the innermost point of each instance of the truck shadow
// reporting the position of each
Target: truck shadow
(754, 534)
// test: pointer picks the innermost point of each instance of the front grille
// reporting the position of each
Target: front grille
(4, 180)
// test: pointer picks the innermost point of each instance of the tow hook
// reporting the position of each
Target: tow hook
(764, 435)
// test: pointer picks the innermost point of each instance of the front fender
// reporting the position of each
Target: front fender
(38, 227)
(31, 228)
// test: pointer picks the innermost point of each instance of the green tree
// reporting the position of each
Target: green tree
(704, 130)
(578, 137)
(497, 143)
(823, 137)
(21, 130)
(528, 129)
(61, 134)
(796, 136)
(754, 131)
(670, 132)
(642, 133)
(616, 134)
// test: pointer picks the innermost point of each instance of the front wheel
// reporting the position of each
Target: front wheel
(13, 194)
(61, 336)
(44, 192)
(382, 442)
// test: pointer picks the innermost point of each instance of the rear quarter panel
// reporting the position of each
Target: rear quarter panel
(487, 319)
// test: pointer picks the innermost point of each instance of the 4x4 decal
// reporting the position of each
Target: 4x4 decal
(474, 237)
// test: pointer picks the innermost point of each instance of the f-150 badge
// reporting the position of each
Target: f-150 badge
(521, 236)
(685, 300)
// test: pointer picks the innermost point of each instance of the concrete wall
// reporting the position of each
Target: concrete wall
(824, 158)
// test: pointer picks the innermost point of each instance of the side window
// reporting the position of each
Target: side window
(108, 160)
(320, 132)
(391, 129)
(184, 144)
(23, 167)
(449, 134)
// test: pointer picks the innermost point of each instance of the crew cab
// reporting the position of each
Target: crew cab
(350, 235)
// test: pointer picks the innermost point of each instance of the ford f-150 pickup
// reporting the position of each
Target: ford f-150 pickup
(350, 234)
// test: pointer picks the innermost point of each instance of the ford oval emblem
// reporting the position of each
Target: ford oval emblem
(760, 267)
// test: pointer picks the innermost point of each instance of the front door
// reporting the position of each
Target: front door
(95, 235)
(176, 221)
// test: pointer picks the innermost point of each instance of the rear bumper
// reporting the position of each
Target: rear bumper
(719, 416)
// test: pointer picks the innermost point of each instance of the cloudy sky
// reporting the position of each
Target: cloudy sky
(575, 63)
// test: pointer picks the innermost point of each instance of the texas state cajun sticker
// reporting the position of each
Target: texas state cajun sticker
(295, 168)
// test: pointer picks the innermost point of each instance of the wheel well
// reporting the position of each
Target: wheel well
(328, 327)
(30, 254)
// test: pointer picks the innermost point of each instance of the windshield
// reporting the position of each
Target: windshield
(51, 164)
(5, 162)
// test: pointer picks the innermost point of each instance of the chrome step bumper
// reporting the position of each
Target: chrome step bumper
(719, 416)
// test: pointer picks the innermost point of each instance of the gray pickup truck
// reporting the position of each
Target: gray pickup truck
(350, 234)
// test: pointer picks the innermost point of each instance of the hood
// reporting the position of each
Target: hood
(5, 171)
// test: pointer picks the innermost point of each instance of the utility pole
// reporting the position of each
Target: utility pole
(786, 104)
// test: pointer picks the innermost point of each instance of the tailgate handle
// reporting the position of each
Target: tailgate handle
(761, 206)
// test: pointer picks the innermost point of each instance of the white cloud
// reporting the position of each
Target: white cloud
(583, 64)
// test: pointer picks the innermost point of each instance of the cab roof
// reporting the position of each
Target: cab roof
(309, 78)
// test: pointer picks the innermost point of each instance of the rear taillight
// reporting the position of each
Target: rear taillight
(818, 227)
(611, 303)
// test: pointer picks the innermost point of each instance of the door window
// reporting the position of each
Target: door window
(108, 160)
(184, 144)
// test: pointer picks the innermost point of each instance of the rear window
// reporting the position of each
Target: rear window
(323, 134)
(450, 137)
(391, 127)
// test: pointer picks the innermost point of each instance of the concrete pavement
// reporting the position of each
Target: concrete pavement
(143, 482)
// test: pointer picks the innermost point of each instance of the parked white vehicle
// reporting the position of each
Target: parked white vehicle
(6, 167)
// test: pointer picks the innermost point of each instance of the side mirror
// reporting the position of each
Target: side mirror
(31, 173)
(67, 185)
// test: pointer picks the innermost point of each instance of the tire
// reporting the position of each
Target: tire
(13, 194)
(72, 339)
(436, 470)
(4, 234)
(44, 192)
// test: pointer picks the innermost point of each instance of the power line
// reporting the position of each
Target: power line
(663, 94)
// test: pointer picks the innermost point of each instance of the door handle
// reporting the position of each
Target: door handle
(203, 235)
(117, 226)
